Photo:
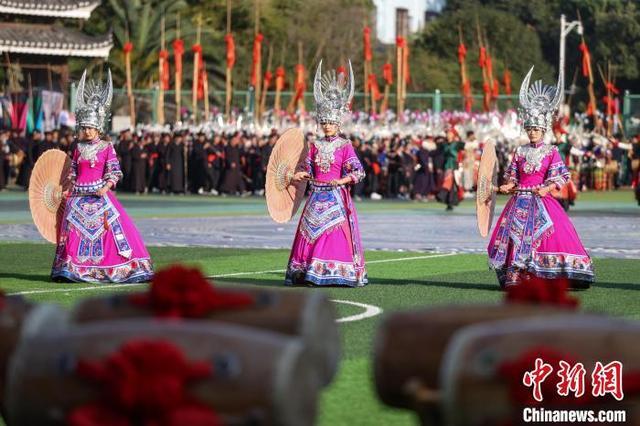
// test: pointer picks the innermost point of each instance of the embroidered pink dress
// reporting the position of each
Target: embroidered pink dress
(327, 249)
(98, 242)
(534, 234)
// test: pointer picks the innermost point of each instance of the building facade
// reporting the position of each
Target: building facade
(403, 17)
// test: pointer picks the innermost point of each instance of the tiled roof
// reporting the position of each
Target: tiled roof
(52, 40)
(55, 8)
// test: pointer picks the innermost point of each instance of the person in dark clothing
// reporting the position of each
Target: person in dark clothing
(233, 181)
(138, 166)
(43, 145)
(27, 146)
(174, 163)
(449, 193)
(157, 169)
(125, 146)
(198, 165)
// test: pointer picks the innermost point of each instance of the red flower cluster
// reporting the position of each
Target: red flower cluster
(181, 292)
(540, 291)
(144, 383)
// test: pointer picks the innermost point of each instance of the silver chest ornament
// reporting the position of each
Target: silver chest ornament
(89, 151)
(326, 153)
(533, 157)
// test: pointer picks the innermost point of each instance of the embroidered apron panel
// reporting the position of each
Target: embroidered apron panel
(324, 212)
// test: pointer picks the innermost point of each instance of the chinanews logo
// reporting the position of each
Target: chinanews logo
(572, 382)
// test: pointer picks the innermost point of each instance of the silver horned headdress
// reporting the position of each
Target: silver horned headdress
(332, 95)
(539, 103)
(93, 102)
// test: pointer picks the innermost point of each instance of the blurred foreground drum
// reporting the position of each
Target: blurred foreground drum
(485, 364)
(309, 315)
(257, 377)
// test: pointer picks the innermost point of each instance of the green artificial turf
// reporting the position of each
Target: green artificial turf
(399, 280)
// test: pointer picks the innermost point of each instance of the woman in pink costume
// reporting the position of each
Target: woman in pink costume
(97, 240)
(534, 234)
(327, 249)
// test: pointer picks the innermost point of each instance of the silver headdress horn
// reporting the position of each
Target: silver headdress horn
(331, 95)
(539, 103)
(93, 102)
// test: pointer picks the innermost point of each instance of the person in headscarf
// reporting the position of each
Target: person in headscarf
(534, 234)
(327, 249)
(97, 241)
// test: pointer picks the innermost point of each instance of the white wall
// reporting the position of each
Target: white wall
(386, 15)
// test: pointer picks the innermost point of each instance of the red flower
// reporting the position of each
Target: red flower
(537, 290)
(96, 414)
(128, 47)
(183, 292)
(143, 380)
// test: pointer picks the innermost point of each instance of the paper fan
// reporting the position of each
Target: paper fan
(486, 193)
(283, 196)
(48, 181)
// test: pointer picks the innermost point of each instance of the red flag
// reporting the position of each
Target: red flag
(300, 85)
(266, 83)
(368, 55)
(257, 51)
(231, 50)
(387, 73)
(482, 58)
(400, 41)
(280, 76)
(462, 52)
(199, 83)
(164, 70)
(612, 88)
(466, 92)
(586, 60)
(178, 50)
(373, 87)
(496, 88)
(506, 79)
(489, 64)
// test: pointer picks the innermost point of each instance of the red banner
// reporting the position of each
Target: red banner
(468, 99)
(178, 50)
(198, 85)
(586, 60)
(482, 58)
(387, 73)
(373, 87)
(280, 78)
(612, 88)
(496, 88)
(257, 52)
(231, 50)
(462, 53)
(368, 54)
(506, 80)
(401, 42)
(300, 85)
(266, 82)
(164, 70)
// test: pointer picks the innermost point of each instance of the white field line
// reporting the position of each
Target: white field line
(370, 311)
(234, 274)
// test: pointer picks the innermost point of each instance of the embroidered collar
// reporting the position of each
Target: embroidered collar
(326, 151)
(533, 156)
(89, 150)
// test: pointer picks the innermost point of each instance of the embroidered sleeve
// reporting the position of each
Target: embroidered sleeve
(112, 172)
(351, 166)
(557, 173)
(307, 166)
(511, 175)
(73, 171)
